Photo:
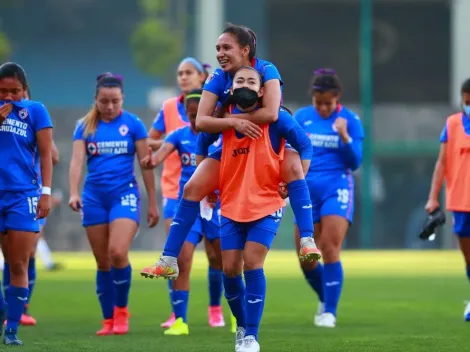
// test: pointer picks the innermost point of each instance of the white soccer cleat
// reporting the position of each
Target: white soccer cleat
(166, 267)
(319, 313)
(466, 313)
(326, 320)
(250, 345)
(308, 250)
(239, 336)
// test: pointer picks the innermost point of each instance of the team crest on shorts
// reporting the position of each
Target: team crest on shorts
(23, 113)
(123, 130)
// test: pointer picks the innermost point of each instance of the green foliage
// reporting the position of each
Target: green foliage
(5, 48)
(155, 45)
(154, 7)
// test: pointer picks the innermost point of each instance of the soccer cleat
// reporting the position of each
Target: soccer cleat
(169, 322)
(121, 321)
(320, 311)
(466, 313)
(107, 328)
(178, 328)
(250, 345)
(326, 320)
(239, 336)
(166, 267)
(56, 267)
(11, 339)
(216, 318)
(27, 319)
(308, 250)
(234, 324)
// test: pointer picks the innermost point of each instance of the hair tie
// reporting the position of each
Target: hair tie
(324, 71)
(192, 96)
(199, 67)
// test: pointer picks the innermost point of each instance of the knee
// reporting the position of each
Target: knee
(253, 263)
(232, 268)
(18, 268)
(330, 251)
(118, 256)
(292, 168)
(184, 264)
(215, 261)
(191, 191)
(103, 263)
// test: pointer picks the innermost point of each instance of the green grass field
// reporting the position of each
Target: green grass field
(392, 301)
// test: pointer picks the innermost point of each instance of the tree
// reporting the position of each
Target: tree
(5, 48)
(155, 43)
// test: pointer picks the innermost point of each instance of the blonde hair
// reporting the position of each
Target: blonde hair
(90, 121)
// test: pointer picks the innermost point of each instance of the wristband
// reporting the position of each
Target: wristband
(47, 191)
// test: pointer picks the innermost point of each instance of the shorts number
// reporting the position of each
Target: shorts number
(32, 204)
(129, 200)
(343, 195)
(277, 213)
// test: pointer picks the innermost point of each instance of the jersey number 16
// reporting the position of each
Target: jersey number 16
(32, 204)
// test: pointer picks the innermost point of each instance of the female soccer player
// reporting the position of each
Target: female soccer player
(26, 318)
(190, 75)
(251, 207)
(236, 47)
(110, 137)
(336, 135)
(453, 167)
(183, 140)
(26, 129)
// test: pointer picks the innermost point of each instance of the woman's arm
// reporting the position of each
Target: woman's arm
(142, 147)
(55, 153)
(76, 166)
(155, 139)
(438, 174)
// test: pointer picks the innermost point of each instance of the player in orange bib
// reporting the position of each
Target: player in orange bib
(453, 166)
(251, 207)
(190, 75)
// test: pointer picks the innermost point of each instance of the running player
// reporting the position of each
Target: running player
(453, 167)
(183, 140)
(236, 47)
(336, 135)
(110, 138)
(251, 207)
(26, 136)
(190, 75)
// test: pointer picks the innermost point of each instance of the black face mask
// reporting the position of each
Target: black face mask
(244, 97)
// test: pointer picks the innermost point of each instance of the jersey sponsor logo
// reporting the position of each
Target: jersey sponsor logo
(324, 140)
(14, 126)
(23, 113)
(123, 130)
(240, 151)
(108, 147)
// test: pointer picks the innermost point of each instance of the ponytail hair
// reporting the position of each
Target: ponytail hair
(91, 119)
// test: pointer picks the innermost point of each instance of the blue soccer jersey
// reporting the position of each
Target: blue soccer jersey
(19, 172)
(330, 177)
(110, 191)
